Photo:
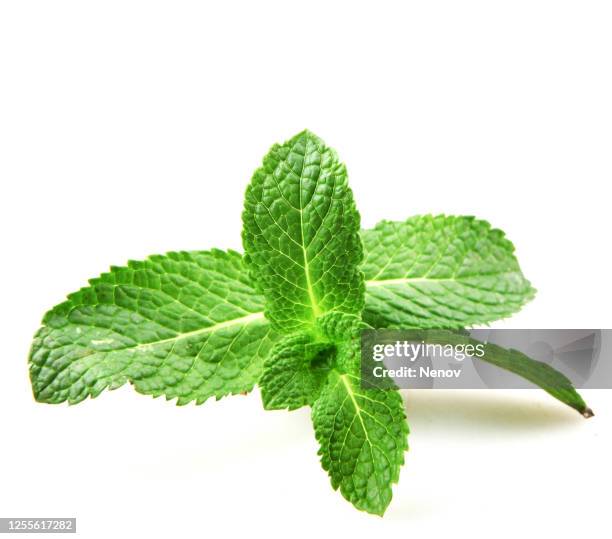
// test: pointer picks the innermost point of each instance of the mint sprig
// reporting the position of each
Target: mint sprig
(287, 315)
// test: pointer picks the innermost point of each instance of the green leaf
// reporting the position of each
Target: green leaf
(186, 325)
(440, 272)
(363, 437)
(541, 374)
(301, 234)
(537, 372)
(294, 372)
(336, 327)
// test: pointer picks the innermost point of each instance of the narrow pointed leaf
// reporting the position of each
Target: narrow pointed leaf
(537, 372)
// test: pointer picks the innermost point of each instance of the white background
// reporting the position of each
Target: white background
(131, 128)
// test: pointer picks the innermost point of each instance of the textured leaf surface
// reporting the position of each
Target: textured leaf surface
(337, 327)
(301, 234)
(294, 372)
(186, 325)
(440, 272)
(362, 436)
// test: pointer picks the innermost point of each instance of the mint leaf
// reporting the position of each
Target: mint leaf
(537, 372)
(301, 234)
(443, 271)
(294, 372)
(362, 436)
(184, 325)
(337, 327)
